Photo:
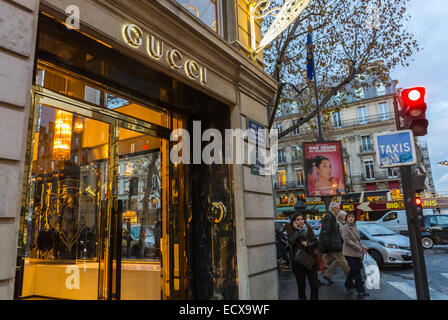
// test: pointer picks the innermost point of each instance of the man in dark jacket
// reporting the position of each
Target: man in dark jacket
(330, 243)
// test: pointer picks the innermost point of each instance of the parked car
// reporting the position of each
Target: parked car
(316, 225)
(131, 239)
(280, 223)
(435, 230)
(396, 220)
(385, 245)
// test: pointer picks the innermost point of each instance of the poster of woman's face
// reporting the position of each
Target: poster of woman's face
(324, 169)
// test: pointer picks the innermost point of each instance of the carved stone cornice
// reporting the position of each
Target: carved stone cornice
(379, 124)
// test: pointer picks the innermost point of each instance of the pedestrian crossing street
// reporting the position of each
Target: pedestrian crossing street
(394, 285)
(408, 288)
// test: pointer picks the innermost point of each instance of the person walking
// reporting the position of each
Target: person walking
(353, 251)
(330, 243)
(301, 236)
(340, 218)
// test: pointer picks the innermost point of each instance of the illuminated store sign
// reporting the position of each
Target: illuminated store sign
(157, 50)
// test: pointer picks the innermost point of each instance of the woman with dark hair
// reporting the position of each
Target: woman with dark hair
(325, 184)
(353, 250)
(301, 236)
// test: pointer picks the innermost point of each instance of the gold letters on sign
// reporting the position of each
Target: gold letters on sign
(155, 48)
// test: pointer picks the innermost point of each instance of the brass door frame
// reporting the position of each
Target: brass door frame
(108, 286)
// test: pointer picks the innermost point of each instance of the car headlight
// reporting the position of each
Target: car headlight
(389, 245)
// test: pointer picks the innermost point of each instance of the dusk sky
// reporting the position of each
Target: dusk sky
(430, 69)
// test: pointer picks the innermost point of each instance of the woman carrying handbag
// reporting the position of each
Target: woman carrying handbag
(303, 245)
(353, 251)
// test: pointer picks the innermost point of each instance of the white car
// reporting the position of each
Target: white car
(316, 225)
(396, 220)
(384, 245)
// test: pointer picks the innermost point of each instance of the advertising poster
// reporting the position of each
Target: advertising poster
(324, 169)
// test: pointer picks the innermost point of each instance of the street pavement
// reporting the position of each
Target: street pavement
(397, 283)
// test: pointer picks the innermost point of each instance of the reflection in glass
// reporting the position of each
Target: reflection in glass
(140, 198)
(205, 10)
(72, 86)
(67, 189)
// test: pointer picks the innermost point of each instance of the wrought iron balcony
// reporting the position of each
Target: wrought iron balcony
(378, 176)
(365, 148)
(295, 159)
(289, 185)
(365, 120)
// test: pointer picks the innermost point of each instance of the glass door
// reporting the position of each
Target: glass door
(141, 194)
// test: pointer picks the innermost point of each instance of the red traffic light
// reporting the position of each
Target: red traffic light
(414, 110)
(414, 101)
(418, 202)
(419, 208)
(414, 95)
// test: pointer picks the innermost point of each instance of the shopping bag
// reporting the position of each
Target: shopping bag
(321, 265)
(372, 272)
(303, 258)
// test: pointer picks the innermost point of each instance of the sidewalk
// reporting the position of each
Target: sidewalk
(335, 291)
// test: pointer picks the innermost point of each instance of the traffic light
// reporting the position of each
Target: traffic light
(414, 110)
(418, 182)
(419, 207)
(418, 202)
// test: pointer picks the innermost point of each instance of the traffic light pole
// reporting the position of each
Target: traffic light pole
(415, 238)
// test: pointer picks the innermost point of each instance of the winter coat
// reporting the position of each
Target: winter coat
(353, 246)
(295, 239)
(330, 239)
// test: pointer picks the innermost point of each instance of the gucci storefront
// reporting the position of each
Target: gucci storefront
(105, 211)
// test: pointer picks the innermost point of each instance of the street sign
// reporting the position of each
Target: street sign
(395, 149)
(257, 136)
(257, 132)
(365, 206)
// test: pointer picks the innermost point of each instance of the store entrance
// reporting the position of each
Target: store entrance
(140, 187)
(97, 211)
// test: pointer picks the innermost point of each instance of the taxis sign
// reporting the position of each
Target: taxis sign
(395, 149)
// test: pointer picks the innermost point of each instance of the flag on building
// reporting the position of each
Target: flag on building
(309, 57)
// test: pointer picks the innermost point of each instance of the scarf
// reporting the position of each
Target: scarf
(303, 231)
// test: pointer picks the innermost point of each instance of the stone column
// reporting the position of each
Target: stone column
(255, 214)
(18, 28)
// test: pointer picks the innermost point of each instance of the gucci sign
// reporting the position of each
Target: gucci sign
(156, 49)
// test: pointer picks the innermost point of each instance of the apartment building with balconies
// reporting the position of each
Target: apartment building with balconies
(366, 112)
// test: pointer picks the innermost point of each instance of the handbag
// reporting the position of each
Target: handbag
(304, 259)
(321, 265)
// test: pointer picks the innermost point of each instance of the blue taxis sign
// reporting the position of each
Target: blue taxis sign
(395, 149)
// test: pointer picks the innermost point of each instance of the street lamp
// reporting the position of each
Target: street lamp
(300, 206)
